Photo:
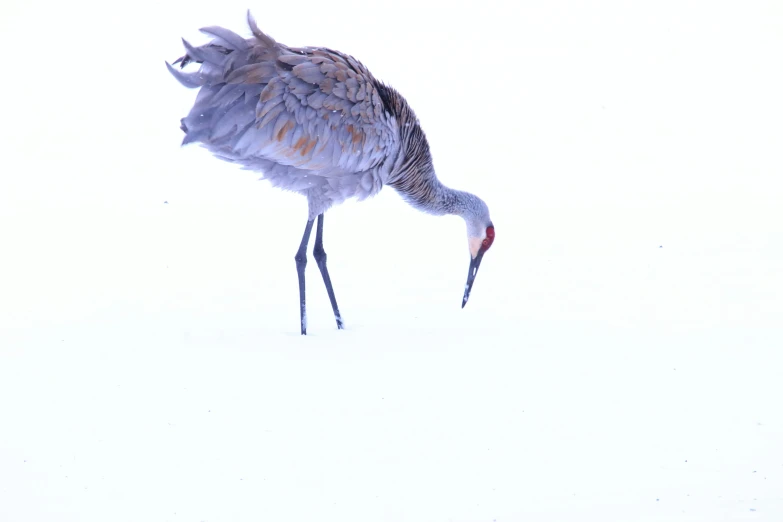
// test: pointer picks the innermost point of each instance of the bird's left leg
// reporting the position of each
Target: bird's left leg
(320, 259)
(301, 262)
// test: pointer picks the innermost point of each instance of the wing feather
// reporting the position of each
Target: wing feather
(266, 105)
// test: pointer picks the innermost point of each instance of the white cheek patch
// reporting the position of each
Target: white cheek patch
(474, 244)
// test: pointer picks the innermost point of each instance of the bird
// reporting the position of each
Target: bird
(315, 121)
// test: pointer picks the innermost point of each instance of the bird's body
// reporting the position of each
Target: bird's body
(316, 121)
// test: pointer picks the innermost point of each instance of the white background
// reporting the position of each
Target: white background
(620, 357)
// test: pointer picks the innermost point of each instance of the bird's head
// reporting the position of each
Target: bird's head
(481, 234)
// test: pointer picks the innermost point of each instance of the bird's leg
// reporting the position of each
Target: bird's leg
(301, 262)
(320, 259)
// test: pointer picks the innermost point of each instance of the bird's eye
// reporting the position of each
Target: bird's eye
(487, 242)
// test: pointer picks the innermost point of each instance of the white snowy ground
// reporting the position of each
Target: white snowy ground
(620, 357)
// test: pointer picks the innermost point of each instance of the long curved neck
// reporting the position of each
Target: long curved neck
(423, 190)
(414, 176)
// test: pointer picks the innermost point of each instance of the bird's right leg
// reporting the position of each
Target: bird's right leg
(320, 259)
(301, 262)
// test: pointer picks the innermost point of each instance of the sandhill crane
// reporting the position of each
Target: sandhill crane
(317, 122)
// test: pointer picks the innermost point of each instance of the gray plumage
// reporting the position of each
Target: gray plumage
(315, 121)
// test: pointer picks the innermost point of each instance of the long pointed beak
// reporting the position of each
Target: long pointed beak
(472, 271)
